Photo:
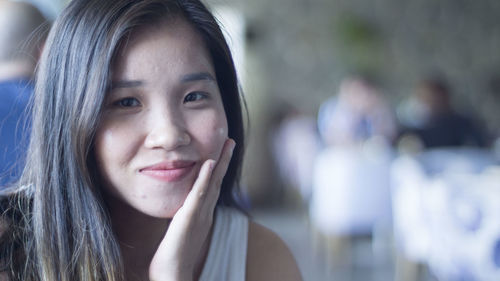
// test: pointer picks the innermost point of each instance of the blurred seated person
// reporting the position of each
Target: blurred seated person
(19, 52)
(350, 196)
(430, 117)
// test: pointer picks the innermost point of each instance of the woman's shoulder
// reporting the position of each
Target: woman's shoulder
(268, 257)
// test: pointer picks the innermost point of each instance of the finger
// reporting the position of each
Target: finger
(206, 188)
(198, 190)
(218, 174)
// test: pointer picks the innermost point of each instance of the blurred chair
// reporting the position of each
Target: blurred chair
(410, 224)
(446, 208)
(350, 195)
(465, 228)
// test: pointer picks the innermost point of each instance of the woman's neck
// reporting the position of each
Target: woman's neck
(138, 236)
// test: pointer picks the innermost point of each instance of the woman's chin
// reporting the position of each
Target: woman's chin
(153, 202)
(162, 210)
(162, 214)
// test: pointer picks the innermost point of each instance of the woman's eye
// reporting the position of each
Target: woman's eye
(127, 102)
(195, 96)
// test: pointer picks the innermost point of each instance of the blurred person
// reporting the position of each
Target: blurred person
(133, 165)
(358, 113)
(19, 52)
(429, 116)
(442, 143)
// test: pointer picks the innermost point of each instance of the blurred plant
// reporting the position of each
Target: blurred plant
(359, 43)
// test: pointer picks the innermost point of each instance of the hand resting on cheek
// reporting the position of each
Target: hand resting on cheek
(180, 250)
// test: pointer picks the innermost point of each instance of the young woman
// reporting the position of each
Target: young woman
(136, 147)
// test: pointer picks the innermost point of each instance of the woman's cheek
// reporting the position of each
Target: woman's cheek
(214, 137)
(115, 146)
(219, 137)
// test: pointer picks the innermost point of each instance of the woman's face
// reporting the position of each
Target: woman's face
(162, 119)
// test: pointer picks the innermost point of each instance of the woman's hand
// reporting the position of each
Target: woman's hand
(180, 249)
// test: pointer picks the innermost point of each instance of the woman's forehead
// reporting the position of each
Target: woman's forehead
(161, 45)
(155, 31)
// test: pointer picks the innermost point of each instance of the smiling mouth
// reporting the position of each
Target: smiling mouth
(168, 172)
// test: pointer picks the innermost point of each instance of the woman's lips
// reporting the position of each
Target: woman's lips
(168, 171)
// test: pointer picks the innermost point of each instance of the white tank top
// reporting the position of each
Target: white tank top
(226, 259)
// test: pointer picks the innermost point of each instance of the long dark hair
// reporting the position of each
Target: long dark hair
(57, 224)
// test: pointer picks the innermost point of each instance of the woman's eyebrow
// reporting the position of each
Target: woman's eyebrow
(126, 84)
(191, 77)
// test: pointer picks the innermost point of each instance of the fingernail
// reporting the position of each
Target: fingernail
(211, 165)
(233, 145)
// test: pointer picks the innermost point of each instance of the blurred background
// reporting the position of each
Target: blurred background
(373, 138)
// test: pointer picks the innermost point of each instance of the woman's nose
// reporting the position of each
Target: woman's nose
(166, 131)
